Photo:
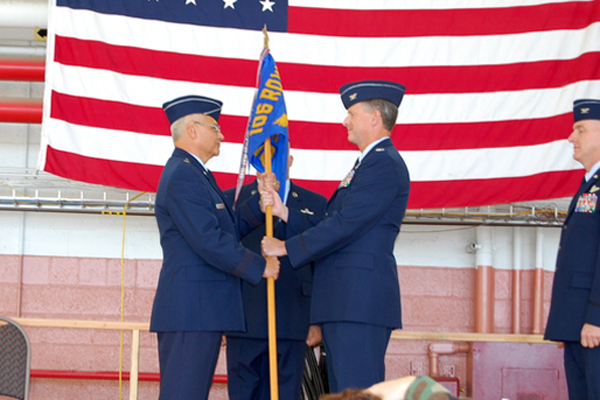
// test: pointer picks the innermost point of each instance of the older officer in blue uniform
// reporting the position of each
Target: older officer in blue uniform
(356, 293)
(574, 317)
(248, 353)
(199, 292)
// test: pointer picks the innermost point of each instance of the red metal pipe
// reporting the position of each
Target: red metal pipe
(516, 301)
(484, 299)
(105, 375)
(21, 111)
(22, 69)
(538, 288)
(435, 350)
(538, 301)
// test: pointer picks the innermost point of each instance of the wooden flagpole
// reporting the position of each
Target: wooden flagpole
(271, 294)
(272, 326)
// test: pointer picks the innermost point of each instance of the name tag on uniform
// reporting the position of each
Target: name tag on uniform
(586, 203)
(220, 206)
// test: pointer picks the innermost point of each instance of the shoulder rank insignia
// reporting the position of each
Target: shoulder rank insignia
(187, 160)
(307, 211)
(379, 149)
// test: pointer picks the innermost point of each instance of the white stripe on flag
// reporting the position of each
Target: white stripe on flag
(329, 165)
(327, 108)
(417, 5)
(325, 50)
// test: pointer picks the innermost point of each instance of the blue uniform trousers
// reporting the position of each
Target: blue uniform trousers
(187, 364)
(582, 367)
(355, 354)
(248, 368)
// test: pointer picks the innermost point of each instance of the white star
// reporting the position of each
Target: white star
(229, 3)
(267, 5)
(190, 2)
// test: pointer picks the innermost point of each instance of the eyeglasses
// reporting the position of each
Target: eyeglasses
(217, 128)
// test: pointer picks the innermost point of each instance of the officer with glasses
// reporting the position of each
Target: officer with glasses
(199, 291)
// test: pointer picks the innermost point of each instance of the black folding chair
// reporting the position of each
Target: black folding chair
(15, 358)
(314, 380)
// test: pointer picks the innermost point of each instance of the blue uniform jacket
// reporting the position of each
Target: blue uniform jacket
(294, 287)
(356, 276)
(576, 287)
(199, 286)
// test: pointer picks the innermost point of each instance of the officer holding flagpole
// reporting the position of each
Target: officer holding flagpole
(356, 293)
(247, 352)
(199, 291)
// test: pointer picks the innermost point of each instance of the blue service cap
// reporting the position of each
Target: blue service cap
(356, 92)
(586, 109)
(186, 105)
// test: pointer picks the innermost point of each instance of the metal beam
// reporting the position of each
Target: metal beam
(24, 13)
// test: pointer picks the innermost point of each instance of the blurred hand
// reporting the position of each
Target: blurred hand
(267, 180)
(314, 335)
(394, 389)
(270, 197)
(273, 247)
(590, 336)
(272, 268)
(266, 199)
(561, 345)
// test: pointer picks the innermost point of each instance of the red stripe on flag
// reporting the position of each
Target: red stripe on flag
(154, 63)
(481, 192)
(327, 79)
(480, 135)
(448, 79)
(143, 177)
(442, 22)
(109, 114)
(550, 185)
(489, 191)
(120, 174)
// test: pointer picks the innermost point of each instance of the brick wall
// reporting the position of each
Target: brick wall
(433, 299)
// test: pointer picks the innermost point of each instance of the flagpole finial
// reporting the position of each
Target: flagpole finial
(264, 31)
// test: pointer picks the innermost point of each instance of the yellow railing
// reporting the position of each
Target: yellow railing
(468, 337)
(134, 327)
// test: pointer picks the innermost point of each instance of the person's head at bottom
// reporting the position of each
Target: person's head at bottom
(406, 388)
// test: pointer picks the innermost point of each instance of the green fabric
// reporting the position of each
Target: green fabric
(425, 388)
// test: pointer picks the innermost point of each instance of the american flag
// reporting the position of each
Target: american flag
(488, 106)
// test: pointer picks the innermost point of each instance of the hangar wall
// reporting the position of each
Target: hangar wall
(68, 266)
